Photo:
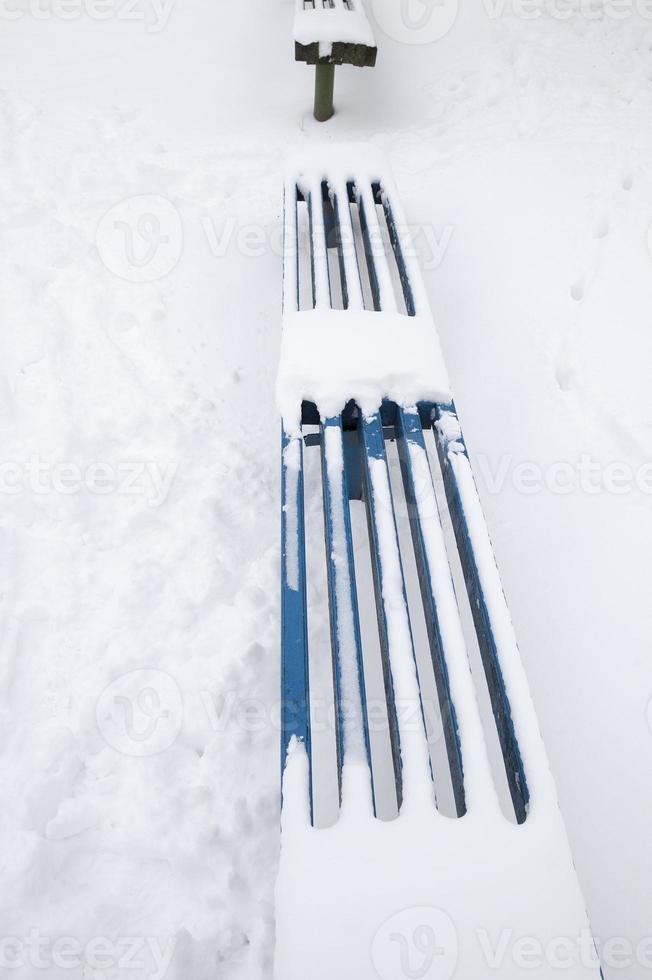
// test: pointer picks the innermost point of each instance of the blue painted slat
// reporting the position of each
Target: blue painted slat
(317, 220)
(340, 252)
(369, 253)
(486, 640)
(291, 297)
(395, 240)
(372, 448)
(408, 430)
(337, 515)
(311, 230)
(352, 292)
(295, 686)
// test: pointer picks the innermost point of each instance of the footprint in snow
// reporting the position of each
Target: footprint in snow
(73, 817)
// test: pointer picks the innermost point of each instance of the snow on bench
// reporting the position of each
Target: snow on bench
(329, 33)
(396, 884)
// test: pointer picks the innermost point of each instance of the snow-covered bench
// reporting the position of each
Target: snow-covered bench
(329, 33)
(431, 889)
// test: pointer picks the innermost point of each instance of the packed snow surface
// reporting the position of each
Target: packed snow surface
(458, 881)
(331, 356)
(139, 655)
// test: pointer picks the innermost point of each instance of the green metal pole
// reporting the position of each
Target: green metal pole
(324, 85)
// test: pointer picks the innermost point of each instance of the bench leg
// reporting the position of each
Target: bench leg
(324, 85)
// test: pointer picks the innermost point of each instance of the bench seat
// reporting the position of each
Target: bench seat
(335, 32)
(340, 53)
(329, 33)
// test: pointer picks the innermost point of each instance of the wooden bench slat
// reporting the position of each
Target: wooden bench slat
(342, 53)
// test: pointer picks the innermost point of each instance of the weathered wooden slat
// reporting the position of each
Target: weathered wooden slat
(341, 53)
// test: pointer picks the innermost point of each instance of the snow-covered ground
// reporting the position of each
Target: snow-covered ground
(141, 184)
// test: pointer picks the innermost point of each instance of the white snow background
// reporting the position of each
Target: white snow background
(141, 157)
